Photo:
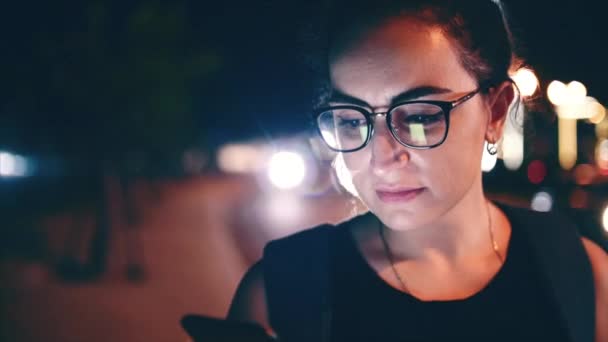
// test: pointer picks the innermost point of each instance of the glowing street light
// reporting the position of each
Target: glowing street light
(567, 143)
(577, 92)
(240, 158)
(561, 94)
(601, 129)
(512, 146)
(526, 81)
(556, 92)
(542, 201)
(595, 110)
(13, 165)
(286, 170)
(569, 101)
(601, 156)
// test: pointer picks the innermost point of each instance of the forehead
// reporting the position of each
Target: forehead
(398, 55)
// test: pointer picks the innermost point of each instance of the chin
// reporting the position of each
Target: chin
(403, 221)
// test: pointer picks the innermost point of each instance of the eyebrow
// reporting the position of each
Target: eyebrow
(410, 94)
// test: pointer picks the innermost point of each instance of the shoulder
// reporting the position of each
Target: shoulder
(599, 264)
(598, 258)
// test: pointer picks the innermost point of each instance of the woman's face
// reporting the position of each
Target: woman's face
(408, 188)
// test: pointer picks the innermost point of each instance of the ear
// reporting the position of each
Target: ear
(500, 98)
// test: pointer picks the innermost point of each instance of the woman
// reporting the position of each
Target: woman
(417, 88)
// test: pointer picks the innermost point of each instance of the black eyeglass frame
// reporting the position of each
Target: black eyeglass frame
(446, 108)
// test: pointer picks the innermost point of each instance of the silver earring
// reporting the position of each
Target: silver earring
(491, 147)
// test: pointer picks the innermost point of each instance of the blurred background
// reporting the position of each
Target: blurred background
(149, 150)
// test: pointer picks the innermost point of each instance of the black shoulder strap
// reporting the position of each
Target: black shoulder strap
(565, 266)
(297, 280)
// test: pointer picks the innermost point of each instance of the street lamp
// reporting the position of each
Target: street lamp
(526, 81)
(569, 101)
(286, 170)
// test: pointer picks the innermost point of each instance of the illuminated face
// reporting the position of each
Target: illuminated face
(406, 60)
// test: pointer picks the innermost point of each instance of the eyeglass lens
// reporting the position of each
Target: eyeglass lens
(413, 124)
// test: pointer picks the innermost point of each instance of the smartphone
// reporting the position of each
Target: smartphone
(209, 329)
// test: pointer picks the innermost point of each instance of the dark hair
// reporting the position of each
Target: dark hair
(478, 29)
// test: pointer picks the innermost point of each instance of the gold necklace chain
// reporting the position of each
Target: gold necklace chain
(491, 229)
(389, 254)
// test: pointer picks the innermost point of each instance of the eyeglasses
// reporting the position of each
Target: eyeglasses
(414, 124)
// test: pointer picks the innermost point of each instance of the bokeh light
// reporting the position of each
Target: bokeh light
(542, 201)
(13, 165)
(239, 158)
(286, 170)
(537, 171)
(556, 92)
(281, 209)
(579, 199)
(567, 142)
(601, 129)
(576, 92)
(601, 156)
(586, 108)
(7, 164)
(584, 174)
(596, 111)
(569, 100)
(526, 81)
(512, 146)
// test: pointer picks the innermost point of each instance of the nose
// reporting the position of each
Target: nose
(387, 154)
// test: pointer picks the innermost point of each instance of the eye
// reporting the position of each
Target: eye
(351, 122)
(425, 114)
(424, 119)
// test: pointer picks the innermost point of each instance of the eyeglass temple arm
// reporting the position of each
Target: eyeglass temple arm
(465, 98)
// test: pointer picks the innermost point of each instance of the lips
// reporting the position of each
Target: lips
(398, 195)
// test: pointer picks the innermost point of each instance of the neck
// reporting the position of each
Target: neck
(460, 233)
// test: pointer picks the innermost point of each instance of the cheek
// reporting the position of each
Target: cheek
(467, 131)
(458, 161)
(446, 173)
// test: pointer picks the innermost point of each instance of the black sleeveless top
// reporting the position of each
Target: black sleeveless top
(514, 306)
